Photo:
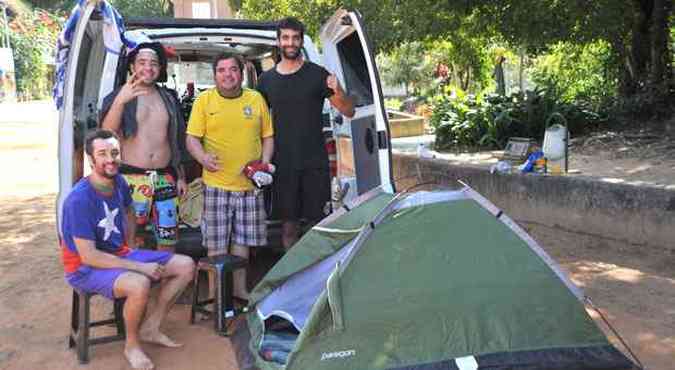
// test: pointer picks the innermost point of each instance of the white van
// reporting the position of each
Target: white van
(362, 143)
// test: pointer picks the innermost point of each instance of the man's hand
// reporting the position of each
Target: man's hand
(210, 162)
(153, 270)
(259, 172)
(181, 187)
(132, 89)
(333, 84)
(339, 99)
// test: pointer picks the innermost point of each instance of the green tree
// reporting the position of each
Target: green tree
(405, 66)
(143, 8)
(53, 5)
(128, 8)
(380, 16)
(576, 72)
(32, 35)
(637, 31)
(468, 60)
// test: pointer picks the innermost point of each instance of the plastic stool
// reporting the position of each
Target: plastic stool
(222, 266)
(80, 325)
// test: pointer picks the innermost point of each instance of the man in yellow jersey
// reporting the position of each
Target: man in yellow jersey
(229, 127)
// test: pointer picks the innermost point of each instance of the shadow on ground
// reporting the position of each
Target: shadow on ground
(635, 290)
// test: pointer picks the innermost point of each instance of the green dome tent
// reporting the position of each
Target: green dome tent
(424, 280)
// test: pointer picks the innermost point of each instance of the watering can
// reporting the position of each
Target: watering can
(556, 140)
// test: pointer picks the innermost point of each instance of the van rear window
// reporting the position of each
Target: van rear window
(355, 70)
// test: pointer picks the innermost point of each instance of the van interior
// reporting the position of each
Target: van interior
(189, 71)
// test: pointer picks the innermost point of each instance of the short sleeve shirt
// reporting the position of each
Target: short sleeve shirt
(90, 215)
(232, 129)
(296, 102)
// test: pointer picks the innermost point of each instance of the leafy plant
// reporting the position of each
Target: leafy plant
(143, 8)
(577, 72)
(405, 65)
(53, 5)
(392, 103)
(468, 121)
(32, 36)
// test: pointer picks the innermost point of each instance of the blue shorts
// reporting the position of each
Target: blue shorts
(102, 281)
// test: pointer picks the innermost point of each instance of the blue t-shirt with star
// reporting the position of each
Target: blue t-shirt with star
(91, 215)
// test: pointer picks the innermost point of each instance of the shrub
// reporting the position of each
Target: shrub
(32, 36)
(468, 121)
(577, 72)
(392, 103)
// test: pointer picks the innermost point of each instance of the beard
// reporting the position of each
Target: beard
(109, 172)
(109, 175)
(291, 53)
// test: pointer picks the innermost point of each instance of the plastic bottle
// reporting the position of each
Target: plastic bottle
(423, 152)
(503, 167)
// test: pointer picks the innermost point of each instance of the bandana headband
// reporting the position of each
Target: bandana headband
(149, 50)
(112, 141)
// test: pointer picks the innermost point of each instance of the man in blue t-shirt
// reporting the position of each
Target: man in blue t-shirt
(99, 256)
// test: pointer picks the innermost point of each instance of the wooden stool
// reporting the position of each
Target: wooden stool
(222, 266)
(80, 325)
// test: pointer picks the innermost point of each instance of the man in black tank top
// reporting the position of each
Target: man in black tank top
(295, 91)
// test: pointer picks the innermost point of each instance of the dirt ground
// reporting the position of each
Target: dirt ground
(642, 156)
(633, 285)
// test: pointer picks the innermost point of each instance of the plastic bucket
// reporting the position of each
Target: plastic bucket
(556, 138)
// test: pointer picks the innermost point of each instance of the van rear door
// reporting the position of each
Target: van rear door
(363, 144)
(89, 77)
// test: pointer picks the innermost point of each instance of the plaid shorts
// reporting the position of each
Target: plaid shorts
(233, 216)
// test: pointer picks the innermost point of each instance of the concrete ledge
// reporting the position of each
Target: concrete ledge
(634, 214)
(402, 124)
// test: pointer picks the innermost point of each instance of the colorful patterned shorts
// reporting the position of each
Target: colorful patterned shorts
(233, 216)
(155, 202)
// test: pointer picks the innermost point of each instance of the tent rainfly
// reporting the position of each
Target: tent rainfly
(420, 281)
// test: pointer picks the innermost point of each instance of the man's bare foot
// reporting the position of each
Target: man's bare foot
(137, 359)
(157, 337)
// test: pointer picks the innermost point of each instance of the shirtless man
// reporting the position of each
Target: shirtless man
(149, 120)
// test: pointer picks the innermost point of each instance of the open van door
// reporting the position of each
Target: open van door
(89, 77)
(362, 142)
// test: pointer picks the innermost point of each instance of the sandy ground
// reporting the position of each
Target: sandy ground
(640, 157)
(632, 285)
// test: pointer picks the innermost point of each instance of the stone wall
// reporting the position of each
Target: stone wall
(637, 215)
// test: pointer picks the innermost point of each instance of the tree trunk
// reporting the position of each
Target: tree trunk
(648, 59)
(499, 77)
(660, 55)
(521, 71)
(467, 79)
(627, 84)
(640, 41)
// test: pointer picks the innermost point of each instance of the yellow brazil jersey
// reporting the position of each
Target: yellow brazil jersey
(233, 130)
